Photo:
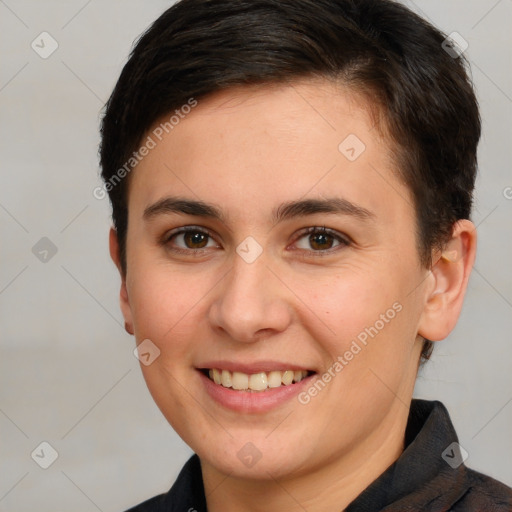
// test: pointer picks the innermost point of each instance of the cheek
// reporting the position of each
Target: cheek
(351, 301)
(371, 327)
(164, 302)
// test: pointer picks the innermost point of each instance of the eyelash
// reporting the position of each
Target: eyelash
(344, 241)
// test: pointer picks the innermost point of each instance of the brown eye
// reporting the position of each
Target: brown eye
(195, 240)
(189, 239)
(320, 240)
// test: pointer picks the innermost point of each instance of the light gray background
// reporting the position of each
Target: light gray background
(68, 374)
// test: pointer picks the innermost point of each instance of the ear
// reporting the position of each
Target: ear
(123, 296)
(448, 279)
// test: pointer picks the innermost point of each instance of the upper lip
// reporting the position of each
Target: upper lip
(253, 367)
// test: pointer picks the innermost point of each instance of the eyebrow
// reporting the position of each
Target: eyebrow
(285, 211)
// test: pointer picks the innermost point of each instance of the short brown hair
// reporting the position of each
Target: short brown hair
(377, 47)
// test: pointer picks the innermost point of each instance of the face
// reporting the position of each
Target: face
(270, 240)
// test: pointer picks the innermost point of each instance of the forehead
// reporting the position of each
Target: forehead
(254, 147)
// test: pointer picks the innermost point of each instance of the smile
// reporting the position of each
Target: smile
(258, 382)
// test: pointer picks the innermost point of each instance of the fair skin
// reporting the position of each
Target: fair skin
(247, 151)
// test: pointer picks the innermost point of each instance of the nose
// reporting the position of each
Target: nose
(251, 303)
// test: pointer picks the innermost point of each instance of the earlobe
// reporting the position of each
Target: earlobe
(123, 294)
(449, 277)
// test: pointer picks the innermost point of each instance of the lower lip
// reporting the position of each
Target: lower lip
(253, 401)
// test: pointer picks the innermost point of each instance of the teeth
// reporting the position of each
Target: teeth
(274, 379)
(287, 377)
(225, 379)
(257, 381)
(240, 380)
(216, 376)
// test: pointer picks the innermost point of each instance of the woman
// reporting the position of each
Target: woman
(291, 183)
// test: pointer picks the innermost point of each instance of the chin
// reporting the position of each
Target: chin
(256, 459)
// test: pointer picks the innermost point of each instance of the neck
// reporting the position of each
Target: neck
(330, 487)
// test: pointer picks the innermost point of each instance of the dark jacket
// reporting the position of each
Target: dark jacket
(429, 476)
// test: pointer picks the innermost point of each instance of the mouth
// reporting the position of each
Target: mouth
(255, 382)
